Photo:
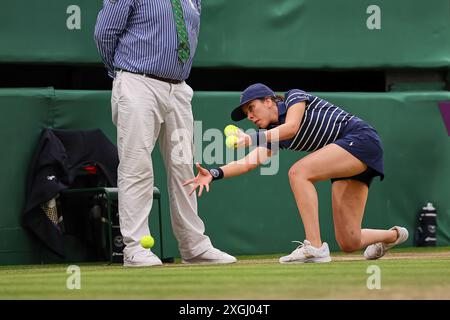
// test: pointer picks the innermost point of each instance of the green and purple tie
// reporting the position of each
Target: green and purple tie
(184, 50)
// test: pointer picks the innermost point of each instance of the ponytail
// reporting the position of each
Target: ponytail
(279, 98)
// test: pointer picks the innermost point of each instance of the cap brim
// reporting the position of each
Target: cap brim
(237, 114)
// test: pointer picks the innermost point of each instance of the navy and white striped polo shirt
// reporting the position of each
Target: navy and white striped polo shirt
(321, 124)
(141, 36)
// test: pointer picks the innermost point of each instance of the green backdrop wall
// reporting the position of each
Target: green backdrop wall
(255, 213)
(23, 114)
(251, 214)
(263, 33)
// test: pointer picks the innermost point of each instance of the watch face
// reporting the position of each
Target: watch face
(214, 172)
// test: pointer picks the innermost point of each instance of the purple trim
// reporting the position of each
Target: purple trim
(444, 106)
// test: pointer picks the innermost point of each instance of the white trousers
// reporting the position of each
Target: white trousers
(145, 110)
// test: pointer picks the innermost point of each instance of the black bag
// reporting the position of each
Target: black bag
(425, 235)
(65, 159)
(85, 225)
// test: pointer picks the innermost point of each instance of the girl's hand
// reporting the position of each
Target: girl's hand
(202, 180)
(244, 140)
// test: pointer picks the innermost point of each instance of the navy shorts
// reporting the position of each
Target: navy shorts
(363, 142)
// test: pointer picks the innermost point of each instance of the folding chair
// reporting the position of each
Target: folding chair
(110, 198)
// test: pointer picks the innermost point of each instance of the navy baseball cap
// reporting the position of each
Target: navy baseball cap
(255, 91)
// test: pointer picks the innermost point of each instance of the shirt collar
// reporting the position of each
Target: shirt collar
(281, 108)
(281, 115)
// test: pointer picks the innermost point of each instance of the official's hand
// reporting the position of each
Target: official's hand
(202, 180)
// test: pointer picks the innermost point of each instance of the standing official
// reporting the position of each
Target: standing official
(148, 47)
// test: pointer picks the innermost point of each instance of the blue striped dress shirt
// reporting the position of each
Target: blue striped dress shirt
(141, 36)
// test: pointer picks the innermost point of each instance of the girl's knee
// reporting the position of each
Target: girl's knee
(350, 244)
(298, 172)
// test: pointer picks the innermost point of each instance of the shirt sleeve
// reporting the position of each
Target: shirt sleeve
(294, 96)
(111, 22)
(199, 5)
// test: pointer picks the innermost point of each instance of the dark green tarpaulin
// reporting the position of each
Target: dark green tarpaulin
(252, 33)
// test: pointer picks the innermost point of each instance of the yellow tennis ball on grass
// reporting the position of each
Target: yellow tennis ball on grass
(147, 242)
(231, 141)
(231, 130)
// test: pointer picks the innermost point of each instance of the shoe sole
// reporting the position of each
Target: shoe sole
(208, 262)
(319, 260)
(373, 258)
(310, 260)
(131, 265)
(403, 237)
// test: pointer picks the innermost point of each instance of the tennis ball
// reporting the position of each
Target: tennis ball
(231, 130)
(231, 141)
(147, 242)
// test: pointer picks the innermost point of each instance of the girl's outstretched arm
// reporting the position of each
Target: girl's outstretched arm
(251, 161)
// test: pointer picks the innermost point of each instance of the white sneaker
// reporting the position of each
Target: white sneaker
(143, 258)
(306, 253)
(211, 256)
(379, 249)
